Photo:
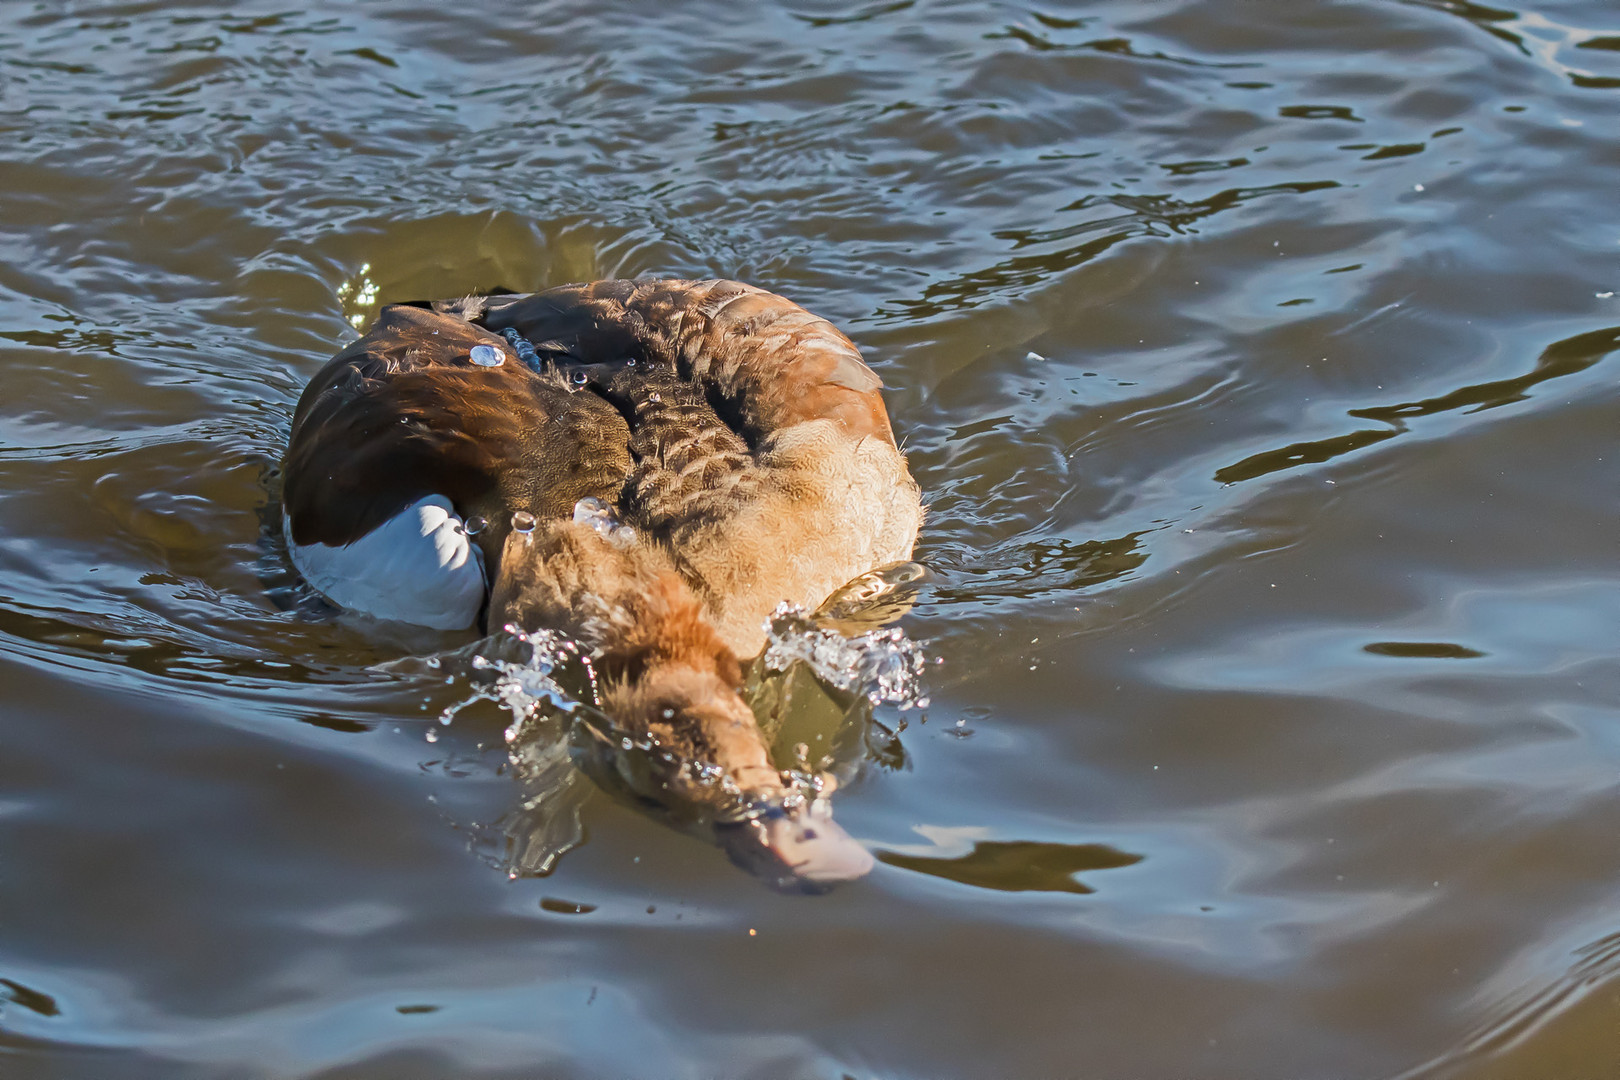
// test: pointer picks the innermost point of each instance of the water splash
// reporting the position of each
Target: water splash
(600, 516)
(523, 688)
(486, 356)
(883, 666)
(523, 674)
(558, 735)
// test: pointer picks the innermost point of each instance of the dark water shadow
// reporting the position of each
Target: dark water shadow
(1019, 865)
(1422, 650)
(15, 993)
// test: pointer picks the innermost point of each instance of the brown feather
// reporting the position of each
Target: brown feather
(401, 413)
(742, 438)
(768, 359)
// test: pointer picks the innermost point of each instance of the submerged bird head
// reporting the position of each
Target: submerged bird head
(683, 738)
(698, 753)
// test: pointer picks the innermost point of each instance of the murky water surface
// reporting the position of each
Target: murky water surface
(1260, 362)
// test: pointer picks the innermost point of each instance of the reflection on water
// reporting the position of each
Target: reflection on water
(1019, 866)
(1256, 366)
(1442, 650)
(1524, 1030)
(565, 907)
(1568, 357)
(32, 1000)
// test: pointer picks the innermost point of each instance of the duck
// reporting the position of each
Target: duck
(649, 466)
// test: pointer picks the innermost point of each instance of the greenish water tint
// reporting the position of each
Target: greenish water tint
(1259, 365)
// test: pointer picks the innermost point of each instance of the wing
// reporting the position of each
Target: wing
(403, 414)
(766, 362)
(763, 452)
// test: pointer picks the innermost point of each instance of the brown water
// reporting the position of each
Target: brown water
(1261, 363)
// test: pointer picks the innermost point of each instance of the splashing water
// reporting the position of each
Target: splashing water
(524, 688)
(520, 673)
(600, 516)
(557, 730)
(884, 666)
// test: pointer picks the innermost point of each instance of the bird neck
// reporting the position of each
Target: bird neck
(666, 673)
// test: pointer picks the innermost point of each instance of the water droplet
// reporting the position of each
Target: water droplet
(655, 396)
(579, 378)
(600, 516)
(486, 356)
(592, 511)
(523, 522)
(431, 736)
(629, 361)
(475, 525)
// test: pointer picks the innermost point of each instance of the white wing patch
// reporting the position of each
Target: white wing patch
(417, 567)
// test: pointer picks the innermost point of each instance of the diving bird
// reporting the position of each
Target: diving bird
(648, 466)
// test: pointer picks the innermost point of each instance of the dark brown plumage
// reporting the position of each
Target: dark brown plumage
(400, 414)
